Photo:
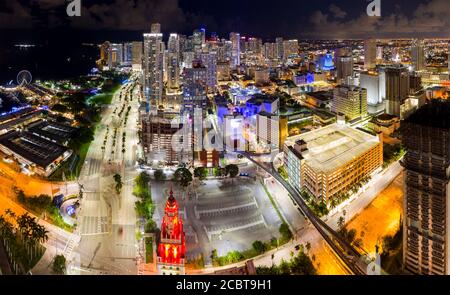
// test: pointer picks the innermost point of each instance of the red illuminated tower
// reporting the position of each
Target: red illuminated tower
(172, 246)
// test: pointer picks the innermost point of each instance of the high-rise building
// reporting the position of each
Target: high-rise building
(372, 82)
(157, 135)
(370, 53)
(173, 60)
(350, 101)
(426, 136)
(136, 55)
(280, 48)
(290, 48)
(344, 67)
(418, 55)
(104, 55)
(115, 55)
(153, 68)
(195, 86)
(270, 51)
(396, 78)
(127, 53)
(235, 39)
(172, 245)
(209, 60)
(155, 28)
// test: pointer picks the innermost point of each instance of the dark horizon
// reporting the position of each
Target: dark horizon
(123, 20)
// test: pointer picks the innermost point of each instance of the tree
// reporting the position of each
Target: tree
(159, 175)
(285, 232)
(282, 171)
(341, 222)
(183, 177)
(119, 183)
(200, 173)
(302, 265)
(232, 170)
(259, 247)
(59, 265)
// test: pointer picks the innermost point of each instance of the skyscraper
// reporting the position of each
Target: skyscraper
(153, 68)
(136, 55)
(235, 39)
(396, 78)
(370, 53)
(372, 82)
(173, 59)
(195, 86)
(426, 136)
(280, 50)
(418, 55)
(209, 60)
(344, 67)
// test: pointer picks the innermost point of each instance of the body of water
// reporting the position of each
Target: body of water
(46, 61)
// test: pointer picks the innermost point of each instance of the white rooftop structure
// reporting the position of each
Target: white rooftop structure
(333, 146)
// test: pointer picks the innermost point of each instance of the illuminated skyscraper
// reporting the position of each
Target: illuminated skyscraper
(370, 53)
(195, 86)
(290, 48)
(209, 60)
(173, 60)
(280, 46)
(172, 246)
(344, 67)
(153, 68)
(235, 39)
(426, 136)
(396, 82)
(418, 55)
(136, 55)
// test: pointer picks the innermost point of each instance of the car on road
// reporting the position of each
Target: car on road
(244, 174)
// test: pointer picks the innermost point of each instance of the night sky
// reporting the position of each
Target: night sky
(122, 20)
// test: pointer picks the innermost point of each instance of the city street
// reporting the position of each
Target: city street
(107, 221)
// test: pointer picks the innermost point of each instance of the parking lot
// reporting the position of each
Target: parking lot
(225, 215)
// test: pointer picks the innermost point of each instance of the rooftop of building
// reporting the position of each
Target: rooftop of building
(333, 146)
(52, 130)
(33, 148)
(322, 95)
(434, 114)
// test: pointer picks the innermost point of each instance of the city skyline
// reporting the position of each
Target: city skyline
(187, 141)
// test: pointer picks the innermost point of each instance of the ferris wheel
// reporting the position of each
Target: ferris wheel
(24, 78)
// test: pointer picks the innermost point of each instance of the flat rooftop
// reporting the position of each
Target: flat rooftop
(35, 149)
(52, 130)
(333, 146)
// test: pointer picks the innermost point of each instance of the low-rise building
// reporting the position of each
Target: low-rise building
(36, 154)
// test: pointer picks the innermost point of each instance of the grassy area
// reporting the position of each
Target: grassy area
(104, 98)
(42, 205)
(273, 203)
(72, 174)
(148, 250)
